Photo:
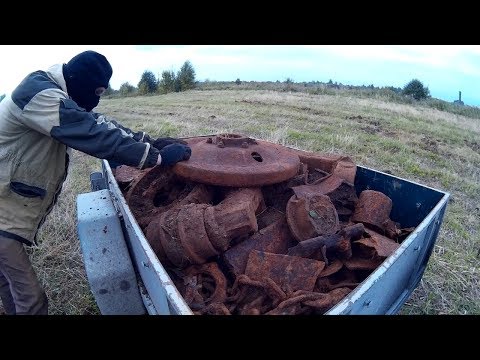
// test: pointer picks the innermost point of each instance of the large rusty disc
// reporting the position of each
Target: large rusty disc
(238, 161)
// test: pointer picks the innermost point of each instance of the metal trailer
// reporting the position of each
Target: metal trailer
(126, 277)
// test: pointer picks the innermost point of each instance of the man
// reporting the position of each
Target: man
(49, 113)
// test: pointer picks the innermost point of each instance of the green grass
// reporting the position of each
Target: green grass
(415, 141)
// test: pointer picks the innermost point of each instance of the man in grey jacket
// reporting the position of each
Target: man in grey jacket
(48, 114)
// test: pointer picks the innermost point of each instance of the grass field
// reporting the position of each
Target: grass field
(422, 144)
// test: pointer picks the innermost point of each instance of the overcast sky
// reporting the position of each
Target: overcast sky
(444, 69)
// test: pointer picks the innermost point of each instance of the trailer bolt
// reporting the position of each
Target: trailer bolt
(145, 264)
(367, 303)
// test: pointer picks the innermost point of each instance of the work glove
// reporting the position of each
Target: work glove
(160, 143)
(173, 153)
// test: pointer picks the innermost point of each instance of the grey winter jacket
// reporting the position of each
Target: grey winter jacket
(39, 124)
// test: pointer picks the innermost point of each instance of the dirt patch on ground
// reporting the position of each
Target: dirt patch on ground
(430, 144)
(372, 126)
(474, 145)
(253, 102)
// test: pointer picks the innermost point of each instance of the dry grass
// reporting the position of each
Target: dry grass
(435, 148)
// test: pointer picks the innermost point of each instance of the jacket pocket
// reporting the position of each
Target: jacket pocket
(27, 190)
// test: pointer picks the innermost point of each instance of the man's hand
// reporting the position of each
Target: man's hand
(160, 143)
(173, 153)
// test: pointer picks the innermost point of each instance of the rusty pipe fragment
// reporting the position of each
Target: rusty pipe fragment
(339, 243)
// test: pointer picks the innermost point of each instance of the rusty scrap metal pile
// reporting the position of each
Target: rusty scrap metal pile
(250, 227)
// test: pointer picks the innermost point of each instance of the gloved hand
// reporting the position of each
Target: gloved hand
(173, 153)
(160, 143)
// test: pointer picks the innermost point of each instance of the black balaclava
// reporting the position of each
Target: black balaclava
(85, 73)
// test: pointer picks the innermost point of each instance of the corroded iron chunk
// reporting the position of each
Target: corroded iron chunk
(342, 166)
(341, 278)
(125, 175)
(237, 161)
(323, 304)
(341, 193)
(153, 233)
(158, 190)
(269, 216)
(362, 264)
(291, 273)
(373, 210)
(311, 215)
(169, 238)
(376, 245)
(275, 239)
(205, 284)
(193, 235)
(325, 246)
(234, 218)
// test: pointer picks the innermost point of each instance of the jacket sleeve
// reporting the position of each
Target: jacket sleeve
(111, 122)
(71, 125)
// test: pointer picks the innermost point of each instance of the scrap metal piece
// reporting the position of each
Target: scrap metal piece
(169, 238)
(125, 175)
(210, 283)
(214, 309)
(294, 304)
(381, 245)
(275, 239)
(254, 297)
(342, 278)
(291, 273)
(311, 215)
(346, 169)
(269, 216)
(152, 233)
(362, 264)
(233, 218)
(328, 300)
(324, 162)
(341, 193)
(332, 268)
(342, 166)
(373, 210)
(339, 244)
(193, 234)
(158, 190)
(237, 161)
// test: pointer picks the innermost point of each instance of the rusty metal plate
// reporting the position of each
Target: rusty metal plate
(291, 273)
(275, 238)
(238, 161)
(382, 245)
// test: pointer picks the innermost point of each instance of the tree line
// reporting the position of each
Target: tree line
(168, 82)
(184, 79)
